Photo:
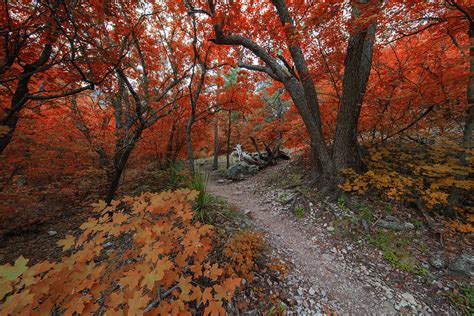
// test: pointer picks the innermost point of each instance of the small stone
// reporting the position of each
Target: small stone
(311, 291)
(330, 229)
(237, 192)
(437, 261)
(221, 181)
(108, 244)
(300, 291)
(52, 232)
(247, 212)
(409, 226)
(409, 298)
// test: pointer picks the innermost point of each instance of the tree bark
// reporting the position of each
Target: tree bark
(357, 66)
(455, 194)
(215, 164)
(228, 140)
(189, 144)
(21, 96)
(169, 146)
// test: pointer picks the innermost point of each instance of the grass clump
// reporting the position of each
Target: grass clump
(177, 175)
(299, 212)
(199, 183)
(394, 249)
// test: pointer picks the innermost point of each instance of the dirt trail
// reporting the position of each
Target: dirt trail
(322, 275)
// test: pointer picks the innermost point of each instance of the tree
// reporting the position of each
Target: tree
(45, 41)
(299, 83)
(357, 66)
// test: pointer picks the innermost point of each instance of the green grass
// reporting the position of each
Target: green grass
(299, 212)
(394, 249)
(463, 299)
(417, 223)
(365, 213)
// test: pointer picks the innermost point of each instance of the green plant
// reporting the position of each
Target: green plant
(283, 198)
(176, 175)
(278, 310)
(417, 223)
(463, 299)
(199, 183)
(299, 212)
(394, 250)
(366, 213)
(341, 203)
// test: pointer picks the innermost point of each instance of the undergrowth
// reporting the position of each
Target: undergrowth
(419, 175)
(395, 249)
(463, 299)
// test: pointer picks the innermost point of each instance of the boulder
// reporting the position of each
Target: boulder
(463, 264)
(241, 170)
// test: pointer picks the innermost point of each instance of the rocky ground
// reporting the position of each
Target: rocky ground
(329, 273)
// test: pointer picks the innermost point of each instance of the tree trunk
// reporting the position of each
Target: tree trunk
(215, 164)
(357, 67)
(228, 140)
(169, 147)
(305, 97)
(21, 96)
(189, 144)
(120, 161)
(455, 194)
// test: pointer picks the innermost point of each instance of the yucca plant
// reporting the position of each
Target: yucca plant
(176, 176)
(199, 183)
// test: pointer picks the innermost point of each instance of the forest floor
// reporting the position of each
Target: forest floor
(328, 272)
(334, 265)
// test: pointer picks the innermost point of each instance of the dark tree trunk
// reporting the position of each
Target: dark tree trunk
(189, 144)
(305, 97)
(357, 67)
(455, 194)
(21, 96)
(215, 164)
(169, 146)
(120, 161)
(229, 127)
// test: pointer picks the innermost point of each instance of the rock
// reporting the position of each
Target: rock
(463, 264)
(437, 261)
(240, 171)
(237, 192)
(300, 291)
(330, 229)
(108, 244)
(311, 291)
(393, 223)
(409, 298)
(221, 181)
(409, 226)
(52, 232)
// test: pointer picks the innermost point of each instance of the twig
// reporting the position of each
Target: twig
(156, 302)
